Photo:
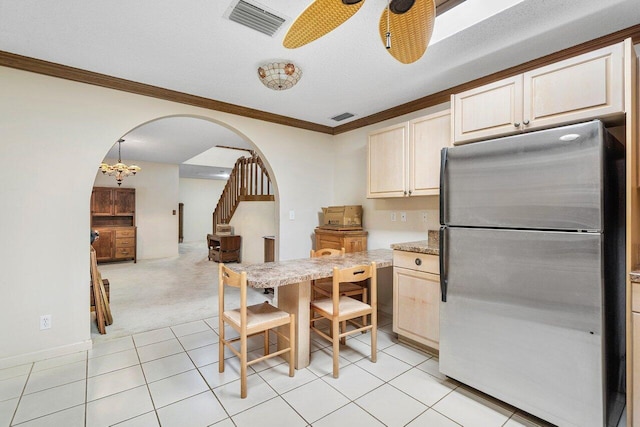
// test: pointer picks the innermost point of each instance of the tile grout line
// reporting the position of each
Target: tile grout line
(24, 387)
(146, 383)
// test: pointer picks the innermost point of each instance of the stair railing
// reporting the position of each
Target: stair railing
(248, 180)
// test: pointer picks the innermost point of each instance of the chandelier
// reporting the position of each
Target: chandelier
(279, 75)
(119, 170)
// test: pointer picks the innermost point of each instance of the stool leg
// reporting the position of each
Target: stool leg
(335, 326)
(243, 366)
(292, 344)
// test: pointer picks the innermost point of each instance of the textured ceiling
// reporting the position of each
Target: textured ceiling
(191, 47)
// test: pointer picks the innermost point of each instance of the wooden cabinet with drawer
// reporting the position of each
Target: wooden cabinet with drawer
(113, 216)
(416, 298)
(350, 240)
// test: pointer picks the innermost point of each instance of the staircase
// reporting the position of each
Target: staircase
(248, 181)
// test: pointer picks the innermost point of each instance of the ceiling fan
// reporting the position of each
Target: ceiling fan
(405, 25)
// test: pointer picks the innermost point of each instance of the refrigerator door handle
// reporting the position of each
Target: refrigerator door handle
(443, 271)
(443, 165)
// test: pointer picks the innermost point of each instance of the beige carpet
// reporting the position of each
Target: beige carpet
(164, 292)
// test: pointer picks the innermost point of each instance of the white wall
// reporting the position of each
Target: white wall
(45, 121)
(200, 197)
(156, 199)
(253, 221)
(351, 189)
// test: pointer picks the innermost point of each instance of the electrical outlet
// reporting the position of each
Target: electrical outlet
(292, 215)
(424, 217)
(393, 216)
(45, 321)
(403, 216)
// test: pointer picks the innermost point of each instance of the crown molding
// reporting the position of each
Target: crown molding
(83, 76)
(52, 69)
(445, 95)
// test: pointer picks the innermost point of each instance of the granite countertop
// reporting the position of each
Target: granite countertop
(280, 273)
(431, 246)
(635, 275)
(420, 246)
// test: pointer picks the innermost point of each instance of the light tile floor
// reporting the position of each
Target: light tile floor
(169, 377)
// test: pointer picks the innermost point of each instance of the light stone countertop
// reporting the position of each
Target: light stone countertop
(431, 246)
(635, 275)
(421, 246)
(280, 273)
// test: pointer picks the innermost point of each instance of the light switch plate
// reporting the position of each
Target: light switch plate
(292, 214)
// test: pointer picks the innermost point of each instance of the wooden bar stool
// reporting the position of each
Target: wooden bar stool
(340, 308)
(249, 321)
(324, 286)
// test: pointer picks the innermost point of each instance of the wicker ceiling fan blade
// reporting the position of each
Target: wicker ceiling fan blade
(410, 31)
(320, 18)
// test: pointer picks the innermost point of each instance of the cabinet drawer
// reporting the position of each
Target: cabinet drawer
(635, 296)
(125, 253)
(416, 261)
(125, 232)
(125, 242)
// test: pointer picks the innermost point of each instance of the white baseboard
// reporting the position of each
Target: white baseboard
(49, 353)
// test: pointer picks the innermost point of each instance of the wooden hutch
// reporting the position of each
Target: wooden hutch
(113, 216)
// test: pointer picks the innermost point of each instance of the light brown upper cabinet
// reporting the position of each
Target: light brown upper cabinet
(404, 159)
(580, 88)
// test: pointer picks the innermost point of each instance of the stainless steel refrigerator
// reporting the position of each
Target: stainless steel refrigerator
(532, 272)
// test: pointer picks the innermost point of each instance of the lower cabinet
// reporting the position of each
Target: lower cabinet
(416, 298)
(115, 244)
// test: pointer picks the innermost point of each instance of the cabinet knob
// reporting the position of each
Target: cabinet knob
(516, 124)
(405, 193)
(526, 122)
(409, 192)
(418, 261)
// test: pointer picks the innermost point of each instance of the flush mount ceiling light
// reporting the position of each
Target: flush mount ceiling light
(119, 170)
(279, 75)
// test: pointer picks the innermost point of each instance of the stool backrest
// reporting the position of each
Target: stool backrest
(228, 277)
(326, 252)
(357, 273)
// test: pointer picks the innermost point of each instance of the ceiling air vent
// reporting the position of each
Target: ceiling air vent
(341, 117)
(255, 17)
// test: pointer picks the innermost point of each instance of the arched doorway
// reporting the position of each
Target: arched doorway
(184, 159)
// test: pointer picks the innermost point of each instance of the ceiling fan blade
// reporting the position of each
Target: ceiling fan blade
(410, 31)
(320, 18)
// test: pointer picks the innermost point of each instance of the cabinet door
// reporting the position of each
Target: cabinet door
(124, 201)
(355, 244)
(580, 88)
(387, 162)
(416, 306)
(428, 135)
(487, 111)
(105, 244)
(102, 201)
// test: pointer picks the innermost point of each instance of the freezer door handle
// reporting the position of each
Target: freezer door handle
(441, 257)
(443, 164)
